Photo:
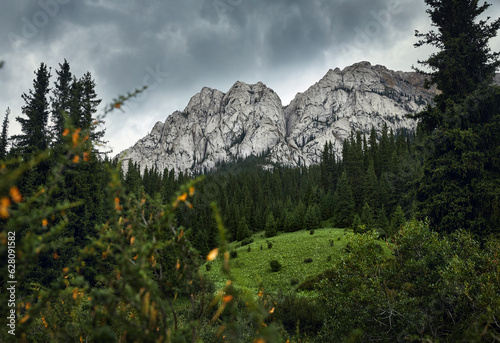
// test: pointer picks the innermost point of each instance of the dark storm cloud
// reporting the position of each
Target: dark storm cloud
(176, 47)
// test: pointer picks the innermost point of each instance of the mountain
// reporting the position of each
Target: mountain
(251, 120)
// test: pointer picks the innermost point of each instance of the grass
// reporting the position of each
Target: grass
(252, 269)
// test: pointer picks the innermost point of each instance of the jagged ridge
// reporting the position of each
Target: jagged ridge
(251, 120)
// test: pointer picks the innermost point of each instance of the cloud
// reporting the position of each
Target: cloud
(178, 47)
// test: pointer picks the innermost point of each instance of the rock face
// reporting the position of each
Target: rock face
(251, 120)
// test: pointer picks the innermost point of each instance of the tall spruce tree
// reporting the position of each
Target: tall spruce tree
(460, 187)
(90, 102)
(35, 133)
(5, 135)
(35, 136)
(344, 202)
(61, 100)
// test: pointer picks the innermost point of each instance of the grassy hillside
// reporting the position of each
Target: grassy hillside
(251, 267)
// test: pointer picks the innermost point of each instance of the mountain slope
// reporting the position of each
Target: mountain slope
(251, 120)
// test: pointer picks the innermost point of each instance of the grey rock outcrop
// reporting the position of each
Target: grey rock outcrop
(251, 120)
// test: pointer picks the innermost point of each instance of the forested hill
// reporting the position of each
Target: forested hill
(371, 184)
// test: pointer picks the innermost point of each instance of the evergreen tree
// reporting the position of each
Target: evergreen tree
(61, 100)
(382, 221)
(35, 134)
(367, 217)
(270, 225)
(344, 202)
(313, 217)
(371, 186)
(460, 186)
(89, 105)
(398, 220)
(464, 59)
(354, 167)
(356, 224)
(243, 230)
(4, 136)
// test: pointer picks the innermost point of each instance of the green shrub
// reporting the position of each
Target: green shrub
(300, 314)
(275, 266)
(246, 241)
(294, 281)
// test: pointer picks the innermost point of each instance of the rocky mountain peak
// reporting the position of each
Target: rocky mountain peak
(250, 119)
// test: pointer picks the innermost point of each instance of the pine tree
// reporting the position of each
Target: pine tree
(357, 225)
(371, 188)
(367, 217)
(460, 185)
(4, 136)
(344, 203)
(382, 221)
(464, 59)
(243, 231)
(313, 217)
(60, 100)
(270, 225)
(35, 134)
(89, 105)
(398, 220)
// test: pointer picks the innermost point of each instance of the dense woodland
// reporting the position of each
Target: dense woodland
(106, 256)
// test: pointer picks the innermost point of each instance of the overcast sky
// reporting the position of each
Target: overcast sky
(176, 47)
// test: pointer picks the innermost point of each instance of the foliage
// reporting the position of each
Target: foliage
(275, 265)
(4, 135)
(298, 313)
(459, 187)
(433, 287)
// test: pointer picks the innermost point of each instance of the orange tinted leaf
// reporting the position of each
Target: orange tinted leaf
(76, 159)
(191, 191)
(75, 292)
(213, 254)
(45, 222)
(227, 298)
(65, 132)
(132, 240)
(25, 319)
(182, 197)
(55, 255)
(15, 194)
(86, 156)
(4, 207)
(75, 136)
(117, 204)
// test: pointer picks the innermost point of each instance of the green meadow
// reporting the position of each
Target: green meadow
(251, 268)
